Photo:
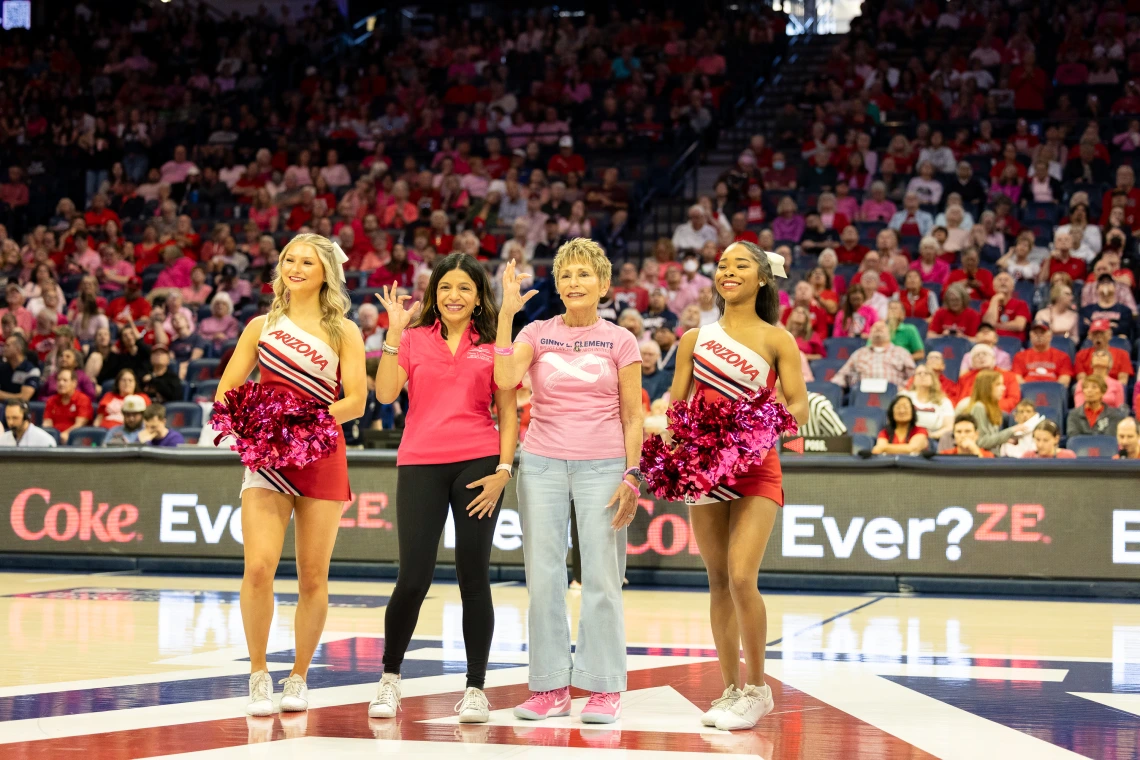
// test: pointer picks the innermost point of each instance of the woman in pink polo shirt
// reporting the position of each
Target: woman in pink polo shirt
(583, 443)
(451, 454)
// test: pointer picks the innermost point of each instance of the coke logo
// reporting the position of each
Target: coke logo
(63, 521)
(682, 536)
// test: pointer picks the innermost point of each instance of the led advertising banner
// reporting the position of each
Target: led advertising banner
(1066, 521)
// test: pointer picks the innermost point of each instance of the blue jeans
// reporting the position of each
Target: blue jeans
(545, 488)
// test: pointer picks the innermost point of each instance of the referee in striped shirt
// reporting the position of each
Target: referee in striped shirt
(822, 422)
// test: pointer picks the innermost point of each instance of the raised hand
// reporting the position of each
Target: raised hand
(398, 316)
(513, 298)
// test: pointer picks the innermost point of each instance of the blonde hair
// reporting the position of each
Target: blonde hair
(333, 298)
(935, 393)
(583, 251)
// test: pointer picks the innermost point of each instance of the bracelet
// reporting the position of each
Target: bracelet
(632, 487)
(505, 467)
(509, 350)
(389, 350)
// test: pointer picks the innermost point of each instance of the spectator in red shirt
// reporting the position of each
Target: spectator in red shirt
(850, 251)
(955, 317)
(966, 439)
(740, 229)
(902, 435)
(1126, 184)
(131, 306)
(628, 294)
(982, 358)
(566, 160)
(980, 283)
(780, 176)
(797, 320)
(98, 215)
(1030, 85)
(69, 408)
(1100, 333)
(14, 192)
(1006, 312)
(1041, 363)
(1061, 259)
(804, 297)
(888, 285)
(916, 300)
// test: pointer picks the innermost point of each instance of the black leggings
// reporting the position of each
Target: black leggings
(423, 493)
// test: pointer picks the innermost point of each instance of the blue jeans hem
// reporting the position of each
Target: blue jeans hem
(601, 684)
(559, 680)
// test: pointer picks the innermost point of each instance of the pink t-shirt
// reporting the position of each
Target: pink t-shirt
(449, 399)
(576, 406)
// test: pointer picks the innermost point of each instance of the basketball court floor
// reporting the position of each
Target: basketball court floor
(128, 666)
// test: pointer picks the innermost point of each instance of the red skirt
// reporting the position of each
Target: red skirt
(766, 479)
(325, 479)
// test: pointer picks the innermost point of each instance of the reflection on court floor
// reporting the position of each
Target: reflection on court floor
(128, 666)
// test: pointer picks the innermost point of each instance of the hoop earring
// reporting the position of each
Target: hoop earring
(477, 310)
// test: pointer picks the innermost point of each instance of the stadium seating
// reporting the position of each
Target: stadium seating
(825, 369)
(863, 420)
(183, 415)
(1045, 395)
(873, 400)
(832, 391)
(1097, 446)
(842, 348)
(86, 437)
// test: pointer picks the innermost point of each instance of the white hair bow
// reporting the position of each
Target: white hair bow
(776, 261)
(341, 258)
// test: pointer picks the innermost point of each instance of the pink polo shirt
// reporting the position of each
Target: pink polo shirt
(449, 399)
(576, 406)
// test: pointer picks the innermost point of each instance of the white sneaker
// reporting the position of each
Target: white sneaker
(721, 706)
(295, 695)
(387, 700)
(260, 702)
(753, 704)
(473, 708)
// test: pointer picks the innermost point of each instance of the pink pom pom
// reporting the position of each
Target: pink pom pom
(274, 428)
(714, 442)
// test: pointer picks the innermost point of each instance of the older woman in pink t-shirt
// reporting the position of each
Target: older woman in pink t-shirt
(583, 443)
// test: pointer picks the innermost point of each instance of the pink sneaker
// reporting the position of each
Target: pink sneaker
(545, 704)
(603, 707)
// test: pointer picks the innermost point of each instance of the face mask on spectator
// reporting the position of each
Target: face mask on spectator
(777, 165)
(690, 266)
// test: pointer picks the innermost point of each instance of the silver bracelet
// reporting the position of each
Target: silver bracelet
(389, 350)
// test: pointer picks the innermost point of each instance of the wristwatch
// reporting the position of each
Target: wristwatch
(636, 473)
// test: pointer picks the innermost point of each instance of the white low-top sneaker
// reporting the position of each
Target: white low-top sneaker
(295, 694)
(721, 706)
(387, 701)
(753, 704)
(260, 702)
(473, 708)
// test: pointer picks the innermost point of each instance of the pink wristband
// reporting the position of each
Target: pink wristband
(509, 350)
(632, 487)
